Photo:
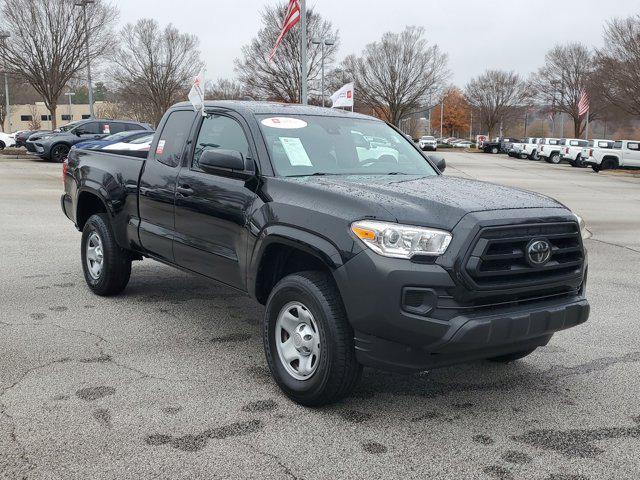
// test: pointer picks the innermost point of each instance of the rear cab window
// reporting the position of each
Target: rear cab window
(173, 138)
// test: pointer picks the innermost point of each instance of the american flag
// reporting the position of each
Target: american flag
(583, 104)
(291, 18)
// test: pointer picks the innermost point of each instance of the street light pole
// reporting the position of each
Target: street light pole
(70, 95)
(4, 36)
(323, 42)
(83, 4)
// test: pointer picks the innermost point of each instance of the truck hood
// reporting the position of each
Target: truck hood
(435, 201)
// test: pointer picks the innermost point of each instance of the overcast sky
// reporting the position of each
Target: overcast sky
(477, 34)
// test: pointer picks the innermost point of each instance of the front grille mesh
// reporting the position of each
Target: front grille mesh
(498, 257)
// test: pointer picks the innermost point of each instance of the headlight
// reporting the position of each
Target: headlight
(583, 227)
(401, 241)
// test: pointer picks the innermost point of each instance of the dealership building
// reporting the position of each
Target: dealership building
(37, 116)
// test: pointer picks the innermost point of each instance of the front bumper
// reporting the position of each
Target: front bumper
(475, 337)
(391, 336)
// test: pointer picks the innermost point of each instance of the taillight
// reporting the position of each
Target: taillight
(542, 148)
(591, 152)
(65, 167)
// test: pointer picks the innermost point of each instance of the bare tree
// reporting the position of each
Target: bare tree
(155, 67)
(561, 81)
(280, 78)
(225, 89)
(618, 74)
(496, 96)
(396, 75)
(34, 123)
(47, 43)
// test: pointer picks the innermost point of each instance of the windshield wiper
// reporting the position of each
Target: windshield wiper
(315, 174)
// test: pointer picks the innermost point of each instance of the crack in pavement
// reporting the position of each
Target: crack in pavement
(24, 457)
(614, 244)
(284, 467)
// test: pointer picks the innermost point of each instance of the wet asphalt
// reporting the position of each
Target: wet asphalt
(169, 380)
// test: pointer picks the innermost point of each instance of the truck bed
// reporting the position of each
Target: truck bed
(115, 176)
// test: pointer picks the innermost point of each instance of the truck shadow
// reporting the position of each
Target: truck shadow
(234, 318)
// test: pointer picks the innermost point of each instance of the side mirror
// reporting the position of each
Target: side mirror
(441, 164)
(215, 160)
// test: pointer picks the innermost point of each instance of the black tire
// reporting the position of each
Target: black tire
(2, 145)
(495, 150)
(512, 357)
(337, 371)
(579, 163)
(596, 168)
(534, 156)
(116, 263)
(609, 164)
(59, 152)
(523, 156)
(554, 158)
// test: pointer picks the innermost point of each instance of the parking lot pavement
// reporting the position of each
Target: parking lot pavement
(169, 380)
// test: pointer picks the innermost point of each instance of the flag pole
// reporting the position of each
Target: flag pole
(303, 50)
(586, 135)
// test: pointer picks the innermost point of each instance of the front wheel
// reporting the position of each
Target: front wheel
(512, 357)
(106, 266)
(494, 150)
(308, 341)
(59, 153)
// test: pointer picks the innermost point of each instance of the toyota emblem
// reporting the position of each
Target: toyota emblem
(538, 252)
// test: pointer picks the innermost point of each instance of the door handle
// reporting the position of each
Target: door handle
(185, 190)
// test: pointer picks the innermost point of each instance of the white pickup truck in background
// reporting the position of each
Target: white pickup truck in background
(530, 148)
(549, 150)
(625, 153)
(588, 150)
(572, 151)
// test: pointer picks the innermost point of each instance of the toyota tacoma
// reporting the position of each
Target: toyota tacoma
(363, 256)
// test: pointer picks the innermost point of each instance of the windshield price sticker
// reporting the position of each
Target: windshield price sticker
(160, 147)
(295, 151)
(284, 122)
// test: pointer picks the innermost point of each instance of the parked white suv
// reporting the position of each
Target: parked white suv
(6, 140)
(572, 151)
(428, 143)
(550, 150)
(625, 153)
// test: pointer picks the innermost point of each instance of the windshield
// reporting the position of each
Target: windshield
(141, 140)
(302, 145)
(68, 127)
(116, 137)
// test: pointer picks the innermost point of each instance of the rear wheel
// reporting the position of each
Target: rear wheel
(308, 340)
(523, 156)
(512, 357)
(554, 158)
(59, 153)
(494, 150)
(106, 266)
(609, 164)
(534, 155)
(2, 145)
(596, 168)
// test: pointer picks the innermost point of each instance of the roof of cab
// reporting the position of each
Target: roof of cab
(275, 108)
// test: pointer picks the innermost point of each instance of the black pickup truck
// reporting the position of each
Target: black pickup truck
(363, 253)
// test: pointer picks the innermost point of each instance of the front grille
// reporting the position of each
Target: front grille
(498, 258)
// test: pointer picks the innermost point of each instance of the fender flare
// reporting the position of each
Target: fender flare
(99, 192)
(304, 240)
